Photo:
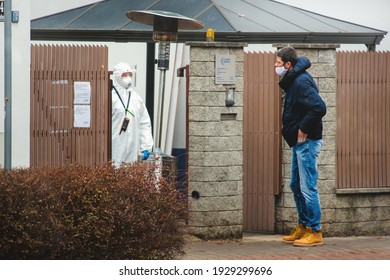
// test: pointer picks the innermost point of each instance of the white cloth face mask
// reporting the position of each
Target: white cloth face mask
(281, 71)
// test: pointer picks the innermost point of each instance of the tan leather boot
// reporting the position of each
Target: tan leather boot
(310, 239)
(296, 233)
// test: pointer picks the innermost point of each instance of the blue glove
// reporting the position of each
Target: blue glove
(146, 155)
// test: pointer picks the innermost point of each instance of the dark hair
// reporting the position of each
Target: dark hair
(288, 54)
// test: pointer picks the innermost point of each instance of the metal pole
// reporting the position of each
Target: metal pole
(162, 92)
(150, 72)
(163, 65)
(160, 105)
(8, 84)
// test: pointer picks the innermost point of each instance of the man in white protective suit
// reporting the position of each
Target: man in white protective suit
(131, 125)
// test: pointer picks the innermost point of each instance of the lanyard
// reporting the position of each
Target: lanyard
(128, 102)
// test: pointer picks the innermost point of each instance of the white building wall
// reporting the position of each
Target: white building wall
(20, 86)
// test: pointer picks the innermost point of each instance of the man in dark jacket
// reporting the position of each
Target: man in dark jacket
(302, 130)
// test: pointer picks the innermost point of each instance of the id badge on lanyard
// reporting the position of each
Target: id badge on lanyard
(125, 124)
(126, 120)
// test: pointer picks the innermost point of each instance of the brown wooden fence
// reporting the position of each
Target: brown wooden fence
(56, 138)
(363, 120)
(262, 141)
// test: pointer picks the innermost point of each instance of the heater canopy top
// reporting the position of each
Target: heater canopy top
(148, 17)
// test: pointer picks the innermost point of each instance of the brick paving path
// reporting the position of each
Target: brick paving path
(263, 247)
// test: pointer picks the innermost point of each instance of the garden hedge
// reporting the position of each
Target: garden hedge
(78, 212)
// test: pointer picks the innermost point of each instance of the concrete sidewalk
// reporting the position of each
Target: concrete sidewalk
(270, 247)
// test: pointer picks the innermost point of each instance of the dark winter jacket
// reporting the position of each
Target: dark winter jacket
(303, 106)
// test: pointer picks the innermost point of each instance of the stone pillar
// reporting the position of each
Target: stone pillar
(323, 70)
(215, 149)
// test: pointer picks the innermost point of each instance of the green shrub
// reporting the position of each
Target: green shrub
(77, 212)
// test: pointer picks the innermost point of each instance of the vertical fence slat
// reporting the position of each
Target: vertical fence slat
(267, 191)
(339, 111)
(33, 86)
(56, 92)
(377, 124)
(362, 114)
(45, 102)
(370, 124)
(93, 132)
(347, 130)
(260, 142)
(255, 149)
(245, 144)
(387, 115)
(353, 118)
(382, 127)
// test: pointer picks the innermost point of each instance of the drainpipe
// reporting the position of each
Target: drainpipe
(7, 83)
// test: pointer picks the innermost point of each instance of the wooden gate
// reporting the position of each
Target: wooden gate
(68, 125)
(262, 141)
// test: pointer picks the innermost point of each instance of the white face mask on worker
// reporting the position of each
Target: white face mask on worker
(281, 71)
(127, 81)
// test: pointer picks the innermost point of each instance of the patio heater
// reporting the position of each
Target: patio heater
(165, 27)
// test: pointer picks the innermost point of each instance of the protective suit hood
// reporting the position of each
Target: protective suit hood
(119, 69)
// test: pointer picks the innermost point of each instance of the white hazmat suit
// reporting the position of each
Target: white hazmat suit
(137, 138)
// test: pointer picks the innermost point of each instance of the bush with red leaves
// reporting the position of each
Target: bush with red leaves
(78, 212)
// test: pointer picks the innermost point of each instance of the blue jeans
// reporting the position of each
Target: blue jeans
(303, 183)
